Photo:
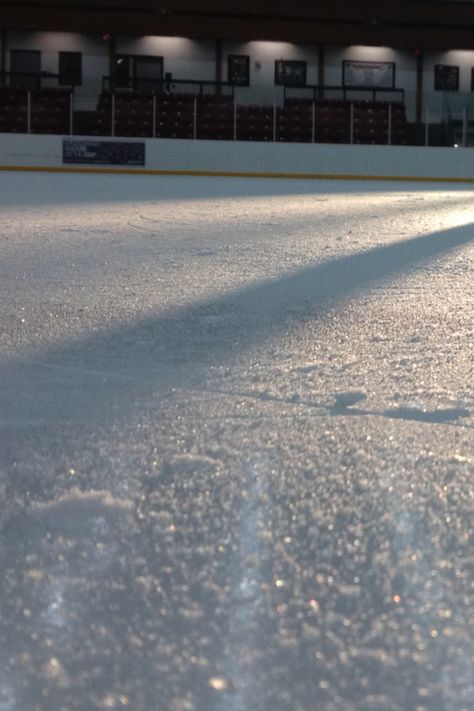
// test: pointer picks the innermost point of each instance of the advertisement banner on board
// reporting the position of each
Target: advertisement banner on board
(90, 152)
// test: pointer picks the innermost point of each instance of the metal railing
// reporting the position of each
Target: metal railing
(347, 92)
(167, 85)
(33, 80)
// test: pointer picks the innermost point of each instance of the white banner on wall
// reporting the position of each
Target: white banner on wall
(368, 74)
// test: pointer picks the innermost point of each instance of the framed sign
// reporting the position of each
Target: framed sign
(371, 75)
(446, 77)
(290, 73)
(238, 69)
(104, 152)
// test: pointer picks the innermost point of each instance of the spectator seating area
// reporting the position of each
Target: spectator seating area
(48, 110)
(13, 110)
(343, 121)
(173, 116)
(217, 118)
(213, 117)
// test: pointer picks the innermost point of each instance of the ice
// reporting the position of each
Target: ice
(236, 455)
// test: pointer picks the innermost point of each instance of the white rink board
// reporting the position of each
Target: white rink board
(316, 160)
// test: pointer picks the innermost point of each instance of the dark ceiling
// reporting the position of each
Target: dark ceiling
(436, 24)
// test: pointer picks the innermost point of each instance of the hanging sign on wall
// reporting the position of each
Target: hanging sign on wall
(380, 75)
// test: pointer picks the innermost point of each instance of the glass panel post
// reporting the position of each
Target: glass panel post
(71, 114)
(389, 139)
(28, 111)
(112, 128)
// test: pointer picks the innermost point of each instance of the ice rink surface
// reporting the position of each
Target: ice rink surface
(237, 446)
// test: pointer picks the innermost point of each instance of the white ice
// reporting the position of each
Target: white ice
(236, 431)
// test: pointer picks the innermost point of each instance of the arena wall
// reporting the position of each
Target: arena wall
(196, 60)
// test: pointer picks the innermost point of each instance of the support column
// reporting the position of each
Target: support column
(419, 86)
(218, 60)
(112, 61)
(321, 69)
(3, 54)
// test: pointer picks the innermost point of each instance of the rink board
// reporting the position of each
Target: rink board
(253, 159)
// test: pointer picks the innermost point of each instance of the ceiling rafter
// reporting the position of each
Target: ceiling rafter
(400, 23)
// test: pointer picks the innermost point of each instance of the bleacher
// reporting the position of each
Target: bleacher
(214, 117)
(50, 110)
(13, 110)
(35, 111)
(208, 117)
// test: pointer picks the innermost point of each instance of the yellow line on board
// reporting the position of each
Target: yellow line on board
(230, 174)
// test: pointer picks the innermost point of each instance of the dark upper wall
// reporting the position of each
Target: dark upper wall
(436, 24)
